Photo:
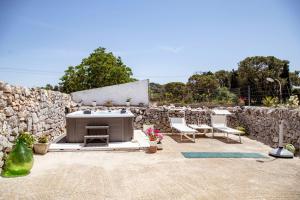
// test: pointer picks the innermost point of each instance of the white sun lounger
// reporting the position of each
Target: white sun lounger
(219, 123)
(179, 124)
(204, 127)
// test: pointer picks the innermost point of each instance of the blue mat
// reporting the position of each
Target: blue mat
(221, 155)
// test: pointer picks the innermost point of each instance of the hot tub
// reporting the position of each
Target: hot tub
(120, 125)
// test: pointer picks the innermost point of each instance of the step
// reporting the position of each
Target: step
(96, 136)
(97, 127)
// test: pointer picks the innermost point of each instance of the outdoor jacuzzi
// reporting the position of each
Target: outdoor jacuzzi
(120, 125)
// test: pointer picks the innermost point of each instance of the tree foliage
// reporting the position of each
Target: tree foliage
(202, 86)
(100, 69)
(156, 92)
(175, 91)
(223, 78)
(253, 72)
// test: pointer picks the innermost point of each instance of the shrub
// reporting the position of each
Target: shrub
(240, 128)
(43, 139)
(224, 96)
(293, 101)
(269, 101)
(290, 148)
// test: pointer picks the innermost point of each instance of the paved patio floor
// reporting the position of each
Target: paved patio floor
(164, 175)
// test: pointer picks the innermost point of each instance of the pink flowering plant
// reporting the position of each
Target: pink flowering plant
(154, 134)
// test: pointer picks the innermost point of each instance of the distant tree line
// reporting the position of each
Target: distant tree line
(102, 68)
(231, 87)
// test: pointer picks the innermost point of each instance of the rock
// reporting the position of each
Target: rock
(35, 118)
(13, 121)
(26, 92)
(4, 142)
(15, 131)
(7, 88)
(3, 103)
(22, 127)
(138, 118)
(11, 138)
(9, 111)
(29, 124)
(2, 116)
(1, 85)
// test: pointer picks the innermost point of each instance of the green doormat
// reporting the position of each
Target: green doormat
(221, 155)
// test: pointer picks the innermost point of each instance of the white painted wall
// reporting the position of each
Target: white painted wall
(137, 91)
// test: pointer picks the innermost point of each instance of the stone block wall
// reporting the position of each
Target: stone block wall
(262, 124)
(159, 116)
(43, 112)
(35, 110)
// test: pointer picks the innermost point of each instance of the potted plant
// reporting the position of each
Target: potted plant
(128, 102)
(20, 160)
(41, 147)
(27, 138)
(109, 103)
(152, 135)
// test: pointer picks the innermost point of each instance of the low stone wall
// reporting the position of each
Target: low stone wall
(262, 124)
(35, 110)
(159, 116)
(43, 112)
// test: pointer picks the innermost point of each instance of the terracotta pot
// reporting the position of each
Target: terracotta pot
(153, 147)
(41, 148)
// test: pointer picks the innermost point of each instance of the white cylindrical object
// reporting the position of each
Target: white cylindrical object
(280, 142)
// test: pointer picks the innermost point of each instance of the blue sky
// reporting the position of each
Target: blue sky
(159, 39)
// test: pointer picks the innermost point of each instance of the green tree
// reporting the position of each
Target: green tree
(175, 91)
(156, 92)
(224, 96)
(100, 69)
(253, 71)
(48, 87)
(295, 78)
(202, 86)
(234, 79)
(223, 78)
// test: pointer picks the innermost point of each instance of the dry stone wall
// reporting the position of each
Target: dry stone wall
(35, 110)
(262, 124)
(159, 116)
(43, 112)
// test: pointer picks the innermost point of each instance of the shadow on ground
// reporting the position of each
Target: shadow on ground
(198, 136)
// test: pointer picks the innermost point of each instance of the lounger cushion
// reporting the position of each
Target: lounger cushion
(183, 128)
(199, 126)
(227, 129)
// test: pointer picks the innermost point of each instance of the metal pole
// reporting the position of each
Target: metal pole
(249, 95)
(280, 91)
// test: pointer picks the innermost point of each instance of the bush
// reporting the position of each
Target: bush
(290, 148)
(224, 96)
(269, 101)
(293, 101)
(240, 128)
(43, 139)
